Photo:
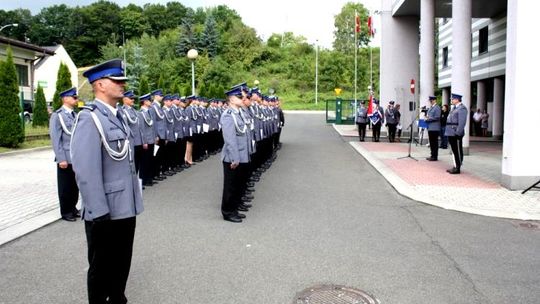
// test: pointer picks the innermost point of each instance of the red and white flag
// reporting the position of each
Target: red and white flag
(357, 22)
(371, 28)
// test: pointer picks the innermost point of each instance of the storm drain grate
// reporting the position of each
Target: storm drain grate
(528, 225)
(334, 294)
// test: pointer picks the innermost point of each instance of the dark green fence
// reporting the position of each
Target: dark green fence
(340, 111)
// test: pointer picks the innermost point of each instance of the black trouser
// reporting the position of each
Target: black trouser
(456, 143)
(171, 155)
(377, 131)
(392, 132)
(197, 146)
(68, 192)
(232, 187)
(181, 151)
(361, 131)
(434, 143)
(110, 247)
(147, 164)
(160, 160)
(138, 157)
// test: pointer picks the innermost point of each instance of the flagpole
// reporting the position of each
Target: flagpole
(355, 60)
(317, 71)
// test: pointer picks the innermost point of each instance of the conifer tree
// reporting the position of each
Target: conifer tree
(41, 117)
(143, 86)
(63, 82)
(11, 125)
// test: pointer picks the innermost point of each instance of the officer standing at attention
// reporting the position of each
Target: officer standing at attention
(433, 118)
(102, 156)
(455, 130)
(235, 155)
(391, 121)
(160, 129)
(131, 118)
(361, 120)
(146, 125)
(61, 125)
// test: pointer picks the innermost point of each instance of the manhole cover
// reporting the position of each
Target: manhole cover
(333, 294)
(528, 225)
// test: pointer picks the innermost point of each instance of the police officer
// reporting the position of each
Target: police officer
(170, 139)
(61, 126)
(391, 121)
(361, 120)
(158, 116)
(132, 119)
(146, 125)
(455, 130)
(102, 156)
(234, 155)
(433, 119)
(377, 120)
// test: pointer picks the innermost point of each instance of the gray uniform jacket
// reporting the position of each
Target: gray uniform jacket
(194, 120)
(434, 118)
(107, 186)
(158, 116)
(169, 124)
(257, 122)
(132, 119)
(146, 126)
(455, 123)
(235, 149)
(60, 139)
(214, 118)
(248, 120)
(390, 116)
(361, 115)
(178, 122)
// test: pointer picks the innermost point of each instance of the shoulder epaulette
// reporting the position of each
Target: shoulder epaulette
(90, 107)
(59, 110)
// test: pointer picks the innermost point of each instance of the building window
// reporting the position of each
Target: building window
(22, 73)
(483, 40)
(445, 57)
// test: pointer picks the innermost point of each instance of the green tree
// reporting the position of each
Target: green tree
(63, 82)
(41, 116)
(52, 25)
(188, 37)
(187, 89)
(11, 126)
(210, 36)
(344, 22)
(143, 86)
(133, 22)
(136, 67)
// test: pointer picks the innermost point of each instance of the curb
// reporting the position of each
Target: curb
(404, 189)
(16, 231)
(10, 153)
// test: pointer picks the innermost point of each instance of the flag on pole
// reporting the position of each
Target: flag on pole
(374, 117)
(370, 105)
(357, 22)
(371, 29)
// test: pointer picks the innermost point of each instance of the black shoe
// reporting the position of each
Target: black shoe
(245, 199)
(232, 218)
(242, 208)
(248, 196)
(76, 213)
(159, 178)
(251, 184)
(250, 189)
(69, 218)
(198, 160)
(240, 215)
(453, 171)
(246, 205)
(254, 179)
(149, 184)
(184, 166)
(168, 173)
(431, 159)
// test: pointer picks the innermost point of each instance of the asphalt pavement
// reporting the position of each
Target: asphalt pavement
(321, 214)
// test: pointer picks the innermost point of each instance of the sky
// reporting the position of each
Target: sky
(313, 19)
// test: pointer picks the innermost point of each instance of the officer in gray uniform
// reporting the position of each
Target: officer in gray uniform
(146, 125)
(129, 114)
(455, 130)
(361, 120)
(102, 156)
(234, 155)
(433, 119)
(61, 125)
(170, 139)
(158, 116)
(391, 121)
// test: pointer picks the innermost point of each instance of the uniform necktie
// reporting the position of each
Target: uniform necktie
(119, 116)
(73, 114)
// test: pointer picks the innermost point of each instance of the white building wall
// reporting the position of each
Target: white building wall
(48, 72)
(22, 57)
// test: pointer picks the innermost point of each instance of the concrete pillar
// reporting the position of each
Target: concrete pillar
(481, 101)
(497, 117)
(427, 50)
(399, 60)
(520, 163)
(461, 57)
(446, 96)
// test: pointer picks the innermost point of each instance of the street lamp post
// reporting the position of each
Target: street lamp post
(9, 25)
(317, 71)
(192, 55)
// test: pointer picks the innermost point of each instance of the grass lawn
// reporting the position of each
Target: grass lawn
(29, 130)
(28, 145)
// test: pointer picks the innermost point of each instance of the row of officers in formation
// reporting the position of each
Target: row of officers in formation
(106, 150)
(448, 125)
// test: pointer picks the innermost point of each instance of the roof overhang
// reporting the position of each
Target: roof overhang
(38, 51)
(443, 8)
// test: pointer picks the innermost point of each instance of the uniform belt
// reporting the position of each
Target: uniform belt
(451, 124)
